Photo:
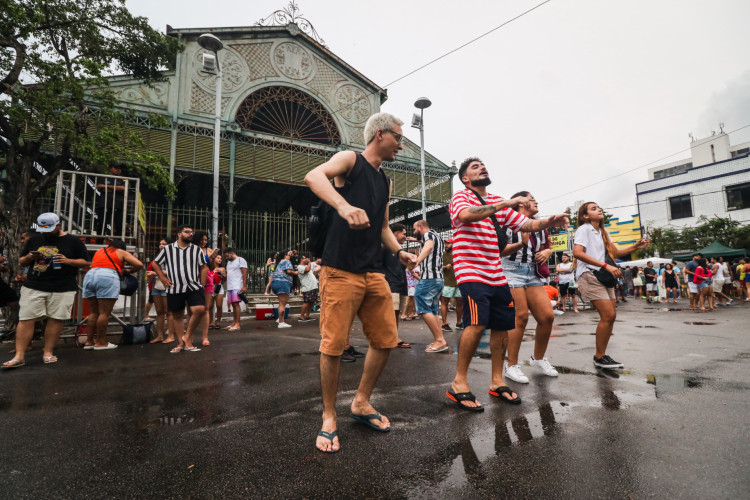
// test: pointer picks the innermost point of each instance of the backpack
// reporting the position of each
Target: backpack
(317, 227)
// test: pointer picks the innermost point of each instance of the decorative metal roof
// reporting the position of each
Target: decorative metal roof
(291, 15)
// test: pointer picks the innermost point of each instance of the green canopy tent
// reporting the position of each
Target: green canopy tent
(715, 249)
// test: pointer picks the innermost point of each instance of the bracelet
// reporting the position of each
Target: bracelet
(398, 251)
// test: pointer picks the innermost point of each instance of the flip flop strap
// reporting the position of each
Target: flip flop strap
(328, 435)
(465, 396)
(371, 416)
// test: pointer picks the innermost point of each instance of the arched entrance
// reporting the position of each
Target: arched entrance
(288, 112)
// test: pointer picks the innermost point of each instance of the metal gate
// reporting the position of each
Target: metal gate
(254, 235)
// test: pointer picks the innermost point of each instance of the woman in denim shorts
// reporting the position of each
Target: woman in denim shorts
(519, 261)
(101, 287)
(281, 284)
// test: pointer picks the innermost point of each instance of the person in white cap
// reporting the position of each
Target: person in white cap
(54, 258)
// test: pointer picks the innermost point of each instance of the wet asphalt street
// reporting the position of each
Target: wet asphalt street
(239, 418)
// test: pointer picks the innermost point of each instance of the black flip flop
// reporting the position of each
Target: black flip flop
(505, 389)
(329, 436)
(457, 397)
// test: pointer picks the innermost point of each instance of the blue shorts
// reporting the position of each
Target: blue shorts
(158, 293)
(101, 283)
(427, 295)
(281, 287)
(489, 306)
(521, 275)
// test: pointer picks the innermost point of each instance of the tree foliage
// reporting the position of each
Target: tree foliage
(727, 231)
(55, 110)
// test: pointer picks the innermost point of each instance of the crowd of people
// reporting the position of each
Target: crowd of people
(493, 269)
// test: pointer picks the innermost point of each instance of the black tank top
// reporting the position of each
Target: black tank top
(358, 251)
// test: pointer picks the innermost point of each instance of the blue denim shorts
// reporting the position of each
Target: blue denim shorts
(101, 283)
(280, 287)
(521, 275)
(158, 293)
(427, 295)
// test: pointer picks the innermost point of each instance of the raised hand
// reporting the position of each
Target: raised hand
(558, 221)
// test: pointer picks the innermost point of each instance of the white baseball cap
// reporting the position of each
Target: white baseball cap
(46, 223)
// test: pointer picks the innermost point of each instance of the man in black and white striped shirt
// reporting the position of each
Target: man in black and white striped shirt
(430, 286)
(186, 266)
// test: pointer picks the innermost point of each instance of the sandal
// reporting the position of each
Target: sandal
(403, 345)
(430, 348)
(457, 397)
(176, 350)
(206, 342)
(49, 359)
(329, 436)
(191, 349)
(504, 389)
(13, 363)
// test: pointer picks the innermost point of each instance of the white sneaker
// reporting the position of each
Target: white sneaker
(544, 365)
(515, 374)
(284, 325)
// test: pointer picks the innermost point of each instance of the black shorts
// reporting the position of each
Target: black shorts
(565, 289)
(489, 306)
(177, 301)
(7, 294)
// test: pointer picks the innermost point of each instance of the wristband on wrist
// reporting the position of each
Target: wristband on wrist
(398, 251)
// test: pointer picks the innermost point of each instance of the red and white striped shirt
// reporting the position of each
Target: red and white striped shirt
(476, 256)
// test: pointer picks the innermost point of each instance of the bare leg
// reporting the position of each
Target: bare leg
(51, 335)
(24, 334)
(459, 310)
(219, 308)
(444, 301)
(236, 314)
(91, 324)
(195, 322)
(205, 321)
(102, 322)
(542, 310)
(329, 385)
(433, 324)
(515, 336)
(283, 299)
(607, 314)
(375, 361)
(467, 347)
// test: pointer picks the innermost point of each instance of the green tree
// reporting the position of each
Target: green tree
(706, 231)
(55, 109)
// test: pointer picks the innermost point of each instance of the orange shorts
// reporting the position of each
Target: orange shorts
(344, 295)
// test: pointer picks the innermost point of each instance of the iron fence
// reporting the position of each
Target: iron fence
(254, 235)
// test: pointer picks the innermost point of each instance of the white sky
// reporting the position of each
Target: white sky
(570, 94)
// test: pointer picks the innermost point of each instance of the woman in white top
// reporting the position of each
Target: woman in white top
(566, 282)
(592, 244)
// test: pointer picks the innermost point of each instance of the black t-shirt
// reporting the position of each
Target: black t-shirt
(358, 250)
(295, 260)
(42, 276)
(395, 272)
(650, 274)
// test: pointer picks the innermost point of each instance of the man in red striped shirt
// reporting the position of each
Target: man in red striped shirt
(476, 261)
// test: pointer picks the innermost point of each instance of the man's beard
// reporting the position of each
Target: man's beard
(50, 237)
(481, 182)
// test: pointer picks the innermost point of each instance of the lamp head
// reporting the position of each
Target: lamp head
(422, 103)
(210, 42)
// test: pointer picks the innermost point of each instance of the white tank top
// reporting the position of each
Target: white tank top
(567, 277)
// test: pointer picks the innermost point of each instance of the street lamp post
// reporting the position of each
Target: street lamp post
(213, 44)
(418, 122)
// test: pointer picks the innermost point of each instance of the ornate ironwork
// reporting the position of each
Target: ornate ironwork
(288, 112)
(291, 15)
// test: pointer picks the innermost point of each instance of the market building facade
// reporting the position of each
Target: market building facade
(288, 104)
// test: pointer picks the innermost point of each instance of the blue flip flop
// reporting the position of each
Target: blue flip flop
(366, 419)
(329, 436)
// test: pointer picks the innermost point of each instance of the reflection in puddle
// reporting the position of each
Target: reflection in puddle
(699, 323)
(669, 309)
(645, 326)
(664, 384)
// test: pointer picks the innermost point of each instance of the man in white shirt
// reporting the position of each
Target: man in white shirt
(236, 284)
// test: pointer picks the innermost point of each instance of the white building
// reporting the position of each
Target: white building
(713, 182)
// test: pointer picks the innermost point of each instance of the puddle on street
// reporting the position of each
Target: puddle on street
(645, 326)
(670, 309)
(700, 323)
(665, 384)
